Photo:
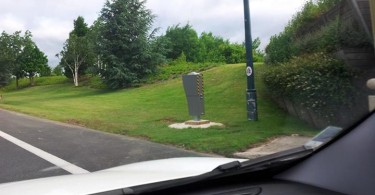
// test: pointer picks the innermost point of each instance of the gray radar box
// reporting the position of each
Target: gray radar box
(193, 85)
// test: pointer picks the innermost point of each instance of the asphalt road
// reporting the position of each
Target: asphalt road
(33, 148)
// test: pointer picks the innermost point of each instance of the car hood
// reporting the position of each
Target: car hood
(118, 177)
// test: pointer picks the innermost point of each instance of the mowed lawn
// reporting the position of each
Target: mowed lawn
(147, 111)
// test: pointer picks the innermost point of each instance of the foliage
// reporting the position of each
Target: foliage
(299, 37)
(93, 37)
(177, 68)
(183, 39)
(80, 30)
(20, 57)
(126, 49)
(58, 70)
(211, 48)
(33, 61)
(38, 81)
(258, 55)
(6, 59)
(279, 50)
(351, 34)
(206, 47)
(234, 53)
(322, 85)
(96, 82)
(45, 71)
(77, 52)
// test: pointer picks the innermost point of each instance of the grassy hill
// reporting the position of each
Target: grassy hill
(148, 110)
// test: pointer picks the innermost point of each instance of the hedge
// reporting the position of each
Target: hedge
(317, 82)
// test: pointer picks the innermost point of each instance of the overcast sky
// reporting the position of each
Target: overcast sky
(51, 21)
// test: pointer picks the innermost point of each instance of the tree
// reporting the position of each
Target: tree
(183, 39)
(58, 70)
(5, 59)
(12, 48)
(93, 36)
(234, 53)
(20, 57)
(210, 48)
(80, 27)
(32, 61)
(80, 30)
(125, 46)
(77, 54)
(258, 55)
(45, 71)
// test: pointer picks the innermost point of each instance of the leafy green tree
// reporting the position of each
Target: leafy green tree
(128, 52)
(58, 70)
(17, 42)
(45, 71)
(76, 52)
(5, 59)
(20, 57)
(210, 48)
(183, 39)
(81, 31)
(234, 53)
(32, 61)
(93, 37)
(80, 27)
(258, 55)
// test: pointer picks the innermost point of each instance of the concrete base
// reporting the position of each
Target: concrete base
(203, 124)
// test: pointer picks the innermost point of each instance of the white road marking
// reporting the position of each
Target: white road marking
(71, 168)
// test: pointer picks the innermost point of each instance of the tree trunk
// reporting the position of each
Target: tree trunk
(31, 78)
(16, 82)
(75, 76)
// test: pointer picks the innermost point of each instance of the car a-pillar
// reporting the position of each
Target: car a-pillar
(371, 98)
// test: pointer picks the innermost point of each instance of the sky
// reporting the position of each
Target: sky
(51, 21)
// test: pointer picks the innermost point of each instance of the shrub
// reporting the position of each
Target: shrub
(39, 81)
(316, 81)
(178, 68)
(308, 33)
(96, 82)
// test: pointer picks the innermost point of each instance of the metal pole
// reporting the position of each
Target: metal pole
(251, 96)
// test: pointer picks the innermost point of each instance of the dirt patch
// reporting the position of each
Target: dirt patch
(168, 120)
(74, 122)
(275, 145)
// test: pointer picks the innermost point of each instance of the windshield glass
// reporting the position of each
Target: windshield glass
(90, 85)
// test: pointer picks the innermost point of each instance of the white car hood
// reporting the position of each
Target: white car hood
(116, 178)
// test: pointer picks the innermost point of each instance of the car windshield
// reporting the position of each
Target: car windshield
(91, 85)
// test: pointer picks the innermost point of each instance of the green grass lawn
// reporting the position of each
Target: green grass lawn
(148, 110)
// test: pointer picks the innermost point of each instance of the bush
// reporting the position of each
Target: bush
(279, 49)
(39, 81)
(178, 68)
(308, 33)
(317, 82)
(96, 82)
(323, 40)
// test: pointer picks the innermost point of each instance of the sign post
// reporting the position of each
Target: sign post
(251, 96)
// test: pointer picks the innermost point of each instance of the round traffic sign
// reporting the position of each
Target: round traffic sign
(249, 71)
